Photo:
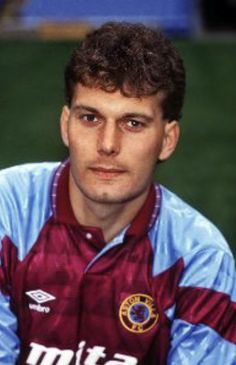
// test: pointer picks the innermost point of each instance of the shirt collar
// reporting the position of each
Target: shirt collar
(62, 208)
(147, 214)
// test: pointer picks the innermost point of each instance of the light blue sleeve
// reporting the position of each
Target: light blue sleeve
(24, 207)
(204, 321)
(9, 342)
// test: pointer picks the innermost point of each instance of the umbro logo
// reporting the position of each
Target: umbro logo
(40, 297)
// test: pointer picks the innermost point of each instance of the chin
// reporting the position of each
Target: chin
(111, 196)
(106, 198)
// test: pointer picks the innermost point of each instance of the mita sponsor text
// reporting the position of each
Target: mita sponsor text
(55, 356)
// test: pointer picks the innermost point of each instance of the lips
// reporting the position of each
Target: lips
(106, 171)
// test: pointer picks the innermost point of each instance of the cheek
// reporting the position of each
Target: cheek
(144, 161)
(147, 165)
(78, 143)
(147, 151)
(81, 153)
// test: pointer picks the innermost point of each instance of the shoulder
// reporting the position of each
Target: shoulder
(25, 198)
(195, 231)
(26, 173)
(18, 183)
(182, 233)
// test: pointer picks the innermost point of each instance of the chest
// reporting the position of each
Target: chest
(66, 293)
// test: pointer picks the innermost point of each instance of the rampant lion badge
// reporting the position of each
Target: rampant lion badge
(138, 313)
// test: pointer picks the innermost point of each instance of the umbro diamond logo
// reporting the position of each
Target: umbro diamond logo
(40, 297)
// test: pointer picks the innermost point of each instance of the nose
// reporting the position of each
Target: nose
(109, 139)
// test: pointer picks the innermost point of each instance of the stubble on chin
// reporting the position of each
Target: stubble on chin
(111, 194)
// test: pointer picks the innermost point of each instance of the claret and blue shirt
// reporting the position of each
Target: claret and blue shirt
(163, 292)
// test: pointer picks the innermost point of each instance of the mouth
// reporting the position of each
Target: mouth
(107, 172)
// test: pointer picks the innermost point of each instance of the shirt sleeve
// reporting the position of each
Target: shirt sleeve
(9, 342)
(204, 326)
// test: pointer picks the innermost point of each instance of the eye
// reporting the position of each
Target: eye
(90, 118)
(134, 124)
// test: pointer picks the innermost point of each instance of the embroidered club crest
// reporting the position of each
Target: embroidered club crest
(138, 313)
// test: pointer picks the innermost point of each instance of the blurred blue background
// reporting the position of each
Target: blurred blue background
(173, 15)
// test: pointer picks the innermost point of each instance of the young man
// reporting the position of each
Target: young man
(98, 264)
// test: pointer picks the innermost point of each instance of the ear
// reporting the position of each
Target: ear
(64, 120)
(170, 139)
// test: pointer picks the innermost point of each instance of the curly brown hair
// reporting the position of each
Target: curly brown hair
(133, 58)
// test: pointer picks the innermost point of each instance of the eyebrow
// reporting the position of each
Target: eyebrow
(83, 107)
(147, 118)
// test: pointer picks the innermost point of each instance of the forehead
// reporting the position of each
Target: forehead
(115, 101)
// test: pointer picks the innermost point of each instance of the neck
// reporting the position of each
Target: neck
(111, 218)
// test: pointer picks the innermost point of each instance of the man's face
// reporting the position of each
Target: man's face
(114, 143)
